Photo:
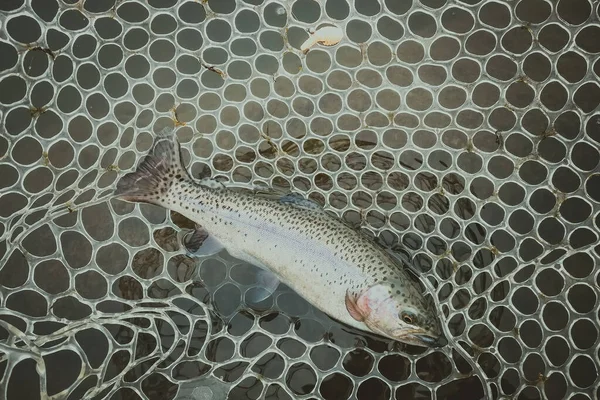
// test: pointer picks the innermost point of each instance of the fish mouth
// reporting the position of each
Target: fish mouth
(430, 341)
(423, 338)
(417, 337)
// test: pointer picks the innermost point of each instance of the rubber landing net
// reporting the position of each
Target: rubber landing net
(466, 131)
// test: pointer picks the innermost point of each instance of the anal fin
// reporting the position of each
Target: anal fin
(267, 281)
(267, 284)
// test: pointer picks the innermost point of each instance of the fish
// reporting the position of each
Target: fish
(335, 267)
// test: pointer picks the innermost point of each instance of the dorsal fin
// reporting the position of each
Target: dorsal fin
(211, 183)
(297, 200)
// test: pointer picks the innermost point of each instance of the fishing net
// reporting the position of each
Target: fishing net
(465, 131)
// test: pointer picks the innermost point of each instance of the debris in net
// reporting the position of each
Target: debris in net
(37, 111)
(175, 117)
(273, 146)
(45, 50)
(215, 70)
(327, 36)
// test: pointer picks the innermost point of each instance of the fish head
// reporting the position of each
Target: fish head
(399, 311)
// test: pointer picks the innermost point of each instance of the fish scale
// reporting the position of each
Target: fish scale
(333, 266)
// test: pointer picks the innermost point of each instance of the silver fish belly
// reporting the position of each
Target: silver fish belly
(334, 267)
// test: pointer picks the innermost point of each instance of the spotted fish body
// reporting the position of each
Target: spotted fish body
(333, 266)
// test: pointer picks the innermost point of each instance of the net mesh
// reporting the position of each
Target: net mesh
(467, 131)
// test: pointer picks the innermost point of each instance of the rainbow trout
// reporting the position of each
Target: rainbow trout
(336, 268)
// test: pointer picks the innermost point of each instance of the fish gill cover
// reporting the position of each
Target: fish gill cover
(466, 132)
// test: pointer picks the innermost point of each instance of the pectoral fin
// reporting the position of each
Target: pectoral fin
(352, 307)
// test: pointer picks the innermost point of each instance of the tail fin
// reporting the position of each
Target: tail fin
(155, 175)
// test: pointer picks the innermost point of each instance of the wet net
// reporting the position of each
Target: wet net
(465, 131)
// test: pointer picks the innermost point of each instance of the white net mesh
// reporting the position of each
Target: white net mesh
(466, 131)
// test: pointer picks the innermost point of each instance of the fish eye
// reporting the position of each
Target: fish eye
(407, 318)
